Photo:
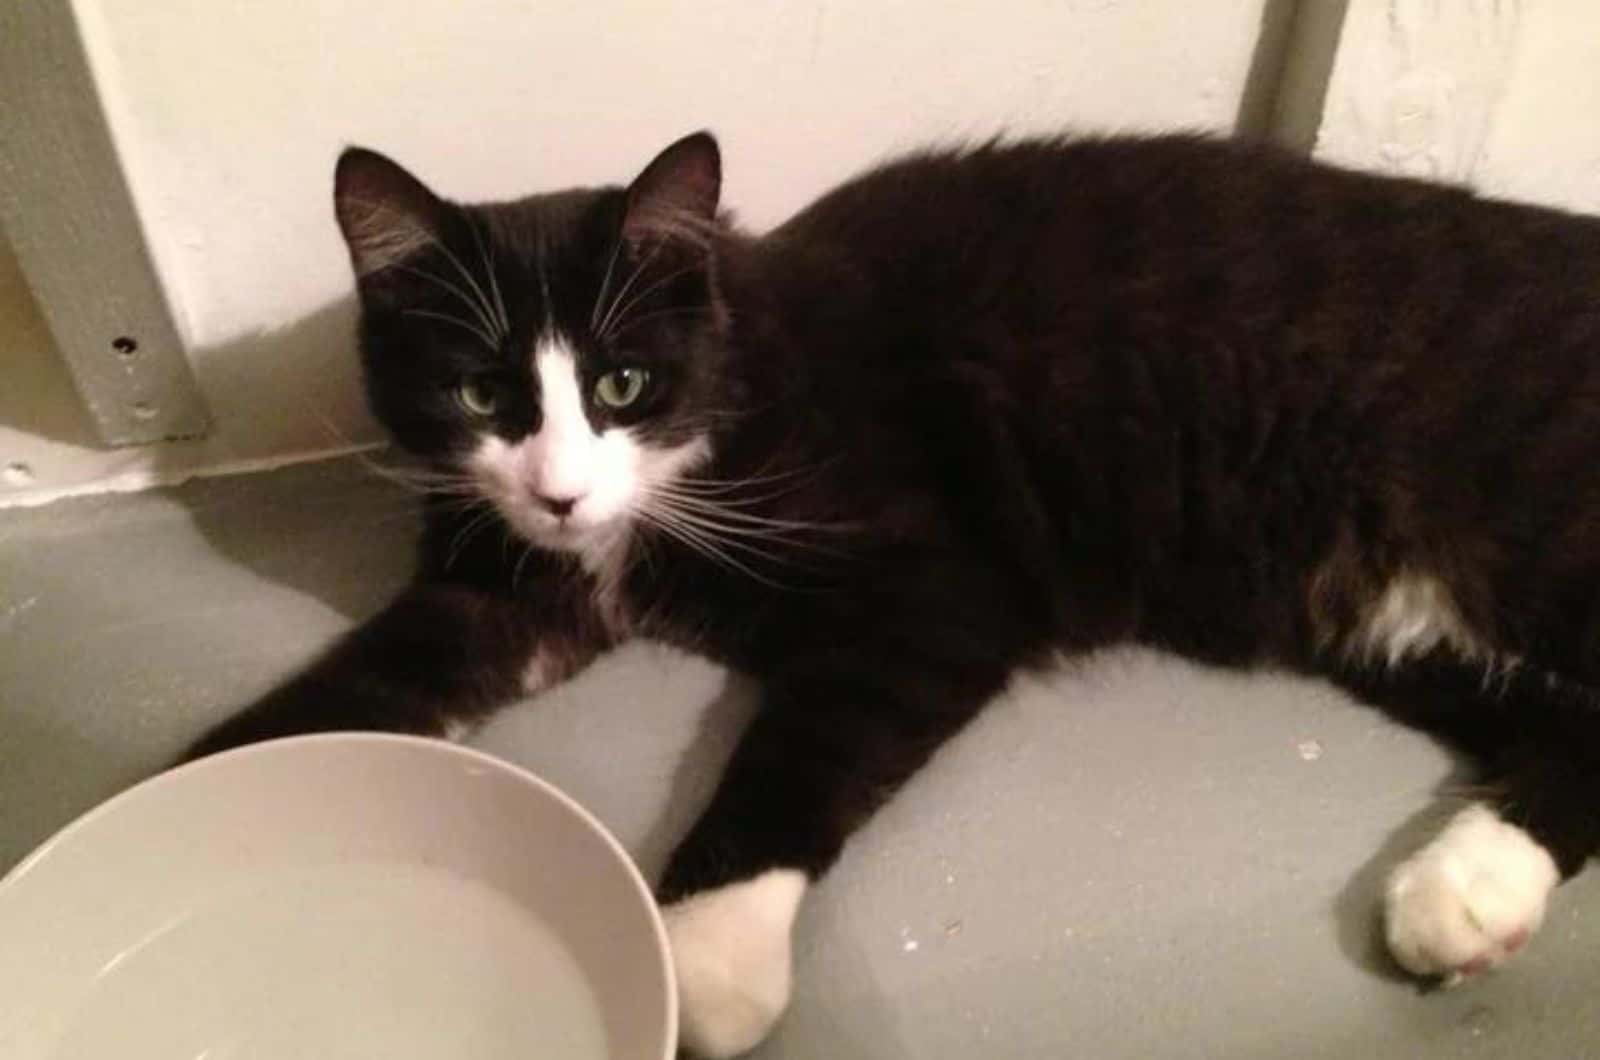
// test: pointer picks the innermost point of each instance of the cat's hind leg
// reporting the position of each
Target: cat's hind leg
(1474, 895)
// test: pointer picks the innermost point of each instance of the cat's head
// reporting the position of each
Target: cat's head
(558, 355)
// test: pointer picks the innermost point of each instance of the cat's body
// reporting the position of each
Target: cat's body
(971, 411)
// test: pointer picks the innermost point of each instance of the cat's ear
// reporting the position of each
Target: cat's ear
(385, 213)
(676, 195)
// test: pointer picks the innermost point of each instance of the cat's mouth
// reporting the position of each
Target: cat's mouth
(537, 524)
(572, 531)
(567, 510)
(589, 512)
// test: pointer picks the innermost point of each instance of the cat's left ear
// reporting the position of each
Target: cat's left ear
(676, 195)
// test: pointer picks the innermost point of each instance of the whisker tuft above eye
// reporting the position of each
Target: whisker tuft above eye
(486, 320)
(472, 329)
(618, 313)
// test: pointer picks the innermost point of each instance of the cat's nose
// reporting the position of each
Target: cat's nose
(560, 507)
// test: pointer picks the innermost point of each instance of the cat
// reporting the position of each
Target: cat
(969, 412)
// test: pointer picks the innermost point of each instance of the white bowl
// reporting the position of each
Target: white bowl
(334, 897)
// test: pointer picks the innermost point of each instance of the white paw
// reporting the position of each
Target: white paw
(730, 947)
(1470, 899)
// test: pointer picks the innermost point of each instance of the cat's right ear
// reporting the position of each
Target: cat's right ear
(385, 213)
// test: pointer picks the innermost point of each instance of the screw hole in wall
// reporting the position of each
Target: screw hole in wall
(125, 345)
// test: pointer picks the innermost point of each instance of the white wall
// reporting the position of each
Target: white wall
(229, 116)
(1497, 94)
(1543, 143)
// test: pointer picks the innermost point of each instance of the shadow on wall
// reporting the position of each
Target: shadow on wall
(37, 395)
(332, 529)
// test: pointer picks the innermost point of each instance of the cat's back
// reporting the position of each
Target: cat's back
(1185, 249)
(1020, 194)
(1208, 335)
(1148, 202)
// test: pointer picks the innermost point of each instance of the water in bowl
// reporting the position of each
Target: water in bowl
(344, 962)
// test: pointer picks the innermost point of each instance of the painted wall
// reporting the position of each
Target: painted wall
(229, 116)
(1503, 96)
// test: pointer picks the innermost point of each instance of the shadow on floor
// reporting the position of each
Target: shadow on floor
(334, 530)
(695, 778)
(1358, 907)
(331, 530)
(61, 774)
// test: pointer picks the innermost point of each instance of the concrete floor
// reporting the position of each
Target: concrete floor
(1135, 859)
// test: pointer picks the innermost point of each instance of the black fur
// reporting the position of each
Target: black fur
(1016, 401)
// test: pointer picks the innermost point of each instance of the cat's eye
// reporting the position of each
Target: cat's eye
(621, 388)
(476, 398)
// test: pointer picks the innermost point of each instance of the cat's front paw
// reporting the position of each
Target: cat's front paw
(731, 950)
(1469, 899)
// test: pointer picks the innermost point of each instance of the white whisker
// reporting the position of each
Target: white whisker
(420, 481)
(726, 485)
(605, 285)
(765, 544)
(733, 496)
(682, 224)
(621, 315)
(457, 321)
(464, 536)
(627, 324)
(780, 541)
(466, 274)
(605, 321)
(442, 487)
(480, 308)
(741, 521)
(466, 299)
(540, 266)
(486, 255)
(516, 572)
(699, 542)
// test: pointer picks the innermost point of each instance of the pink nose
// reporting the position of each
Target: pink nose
(560, 507)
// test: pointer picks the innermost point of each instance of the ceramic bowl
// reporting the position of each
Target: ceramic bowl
(335, 896)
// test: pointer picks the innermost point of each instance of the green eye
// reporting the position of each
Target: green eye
(476, 398)
(621, 388)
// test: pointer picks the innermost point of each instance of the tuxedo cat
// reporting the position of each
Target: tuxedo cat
(968, 412)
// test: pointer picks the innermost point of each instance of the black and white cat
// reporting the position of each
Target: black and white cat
(968, 412)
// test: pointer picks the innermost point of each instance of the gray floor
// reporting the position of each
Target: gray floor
(1137, 858)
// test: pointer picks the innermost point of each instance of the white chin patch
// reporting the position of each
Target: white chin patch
(600, 475)
(1470, 899)
(507, 472)
(731, 950)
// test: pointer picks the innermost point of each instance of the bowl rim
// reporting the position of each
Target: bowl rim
(431, 745)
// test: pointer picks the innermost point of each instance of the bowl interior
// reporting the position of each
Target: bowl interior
(346, 895)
